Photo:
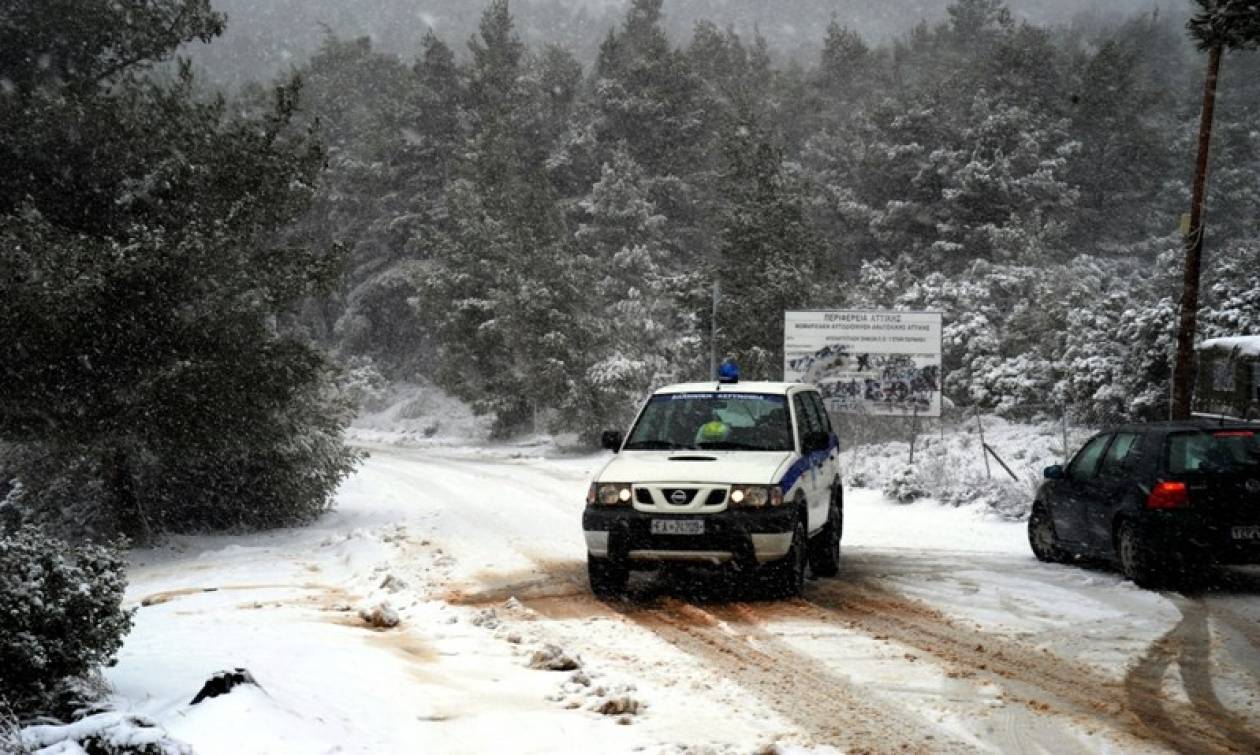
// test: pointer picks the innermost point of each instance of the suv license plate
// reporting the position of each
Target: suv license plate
(681, 527)
(1247, 533)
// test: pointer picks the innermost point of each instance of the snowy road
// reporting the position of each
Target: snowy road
(942, 634)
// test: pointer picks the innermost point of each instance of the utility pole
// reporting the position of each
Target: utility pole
(1183, 369)
(713, 331)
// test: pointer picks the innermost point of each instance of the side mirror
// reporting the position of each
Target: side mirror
(611, 440)
(1055, 472)
(816, 441)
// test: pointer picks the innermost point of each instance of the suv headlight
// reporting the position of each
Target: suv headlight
(756, 496)
(609, 494)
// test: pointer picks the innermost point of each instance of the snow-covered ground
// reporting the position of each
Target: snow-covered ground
(942, 634)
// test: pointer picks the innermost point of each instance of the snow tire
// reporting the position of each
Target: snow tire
(824, 548)
(1137, 562)
(785, 578)
(1042, 537)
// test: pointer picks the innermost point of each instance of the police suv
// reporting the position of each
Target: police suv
(738, 474)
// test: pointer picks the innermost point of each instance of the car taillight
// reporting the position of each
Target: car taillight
(1168, 495)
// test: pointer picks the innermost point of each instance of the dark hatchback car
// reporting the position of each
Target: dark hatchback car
(1160, 499)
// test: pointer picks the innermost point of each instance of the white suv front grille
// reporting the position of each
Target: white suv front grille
(680, 497)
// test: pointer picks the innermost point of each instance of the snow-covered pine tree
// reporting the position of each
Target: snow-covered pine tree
(767, 251)
(646, 93)
(143, 281)
(1124, 157)
(499, 288)
(387, 154)
(636, 332)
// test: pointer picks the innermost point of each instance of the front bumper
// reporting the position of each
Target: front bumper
(745, 538)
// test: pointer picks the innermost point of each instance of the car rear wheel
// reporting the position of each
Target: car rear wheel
(1137, 562)
(608, 577)
(1042, 537)
(824, 548)
(785, 578)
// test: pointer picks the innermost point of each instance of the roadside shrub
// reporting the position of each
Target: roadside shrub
(903, 486)
(61, 610)
(278, 472)
(105, 733)
(61, 491)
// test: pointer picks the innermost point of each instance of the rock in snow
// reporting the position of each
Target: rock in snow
(553, 658)
(380, 616)
(222, 683)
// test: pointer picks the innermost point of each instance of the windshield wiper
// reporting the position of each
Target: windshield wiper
(652, 445)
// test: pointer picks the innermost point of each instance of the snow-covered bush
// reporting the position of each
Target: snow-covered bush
(279, 471)
(108, 733)
(950, 466)
(10, 732)
(61, 609)
(903, 486)
(62, 492)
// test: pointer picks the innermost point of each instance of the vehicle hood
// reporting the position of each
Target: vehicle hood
(705, 467)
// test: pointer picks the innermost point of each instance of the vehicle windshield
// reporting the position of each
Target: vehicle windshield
(1218, 452)
(713, 421)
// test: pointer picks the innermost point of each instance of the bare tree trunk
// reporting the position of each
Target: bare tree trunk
(1183, 370)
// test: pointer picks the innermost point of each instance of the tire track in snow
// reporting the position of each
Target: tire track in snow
(1019, 728)
(826, 707)
(1189, 645)
(1040, 679)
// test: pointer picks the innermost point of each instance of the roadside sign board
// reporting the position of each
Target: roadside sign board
(867, 362)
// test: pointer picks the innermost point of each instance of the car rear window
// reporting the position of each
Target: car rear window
(1213, 452)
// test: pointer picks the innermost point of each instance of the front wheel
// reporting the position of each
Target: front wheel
(1042, 537)
(824, 548)
(608, 577)
(785, 578)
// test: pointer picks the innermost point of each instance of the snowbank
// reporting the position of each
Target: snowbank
(418, 414)
(422, 415)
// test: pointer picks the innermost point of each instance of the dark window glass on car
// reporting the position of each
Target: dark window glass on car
(807, 421)
(820, 410)
(1085, 465)
(1220, 452)
(1113, 464)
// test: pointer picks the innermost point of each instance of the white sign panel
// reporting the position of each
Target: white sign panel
(885, 363)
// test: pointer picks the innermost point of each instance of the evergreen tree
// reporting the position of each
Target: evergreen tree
(646, 93)
(387, 151)
(845, 58)
(766, 251)
(1123, 158)
(499, 289)
(142, 278)
(634, 326)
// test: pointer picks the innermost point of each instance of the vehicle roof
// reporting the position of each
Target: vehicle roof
(1184, 425)
(752, 386)
(1248, 346)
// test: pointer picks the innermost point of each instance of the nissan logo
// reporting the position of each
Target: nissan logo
(1253, 486)
(678, 497)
